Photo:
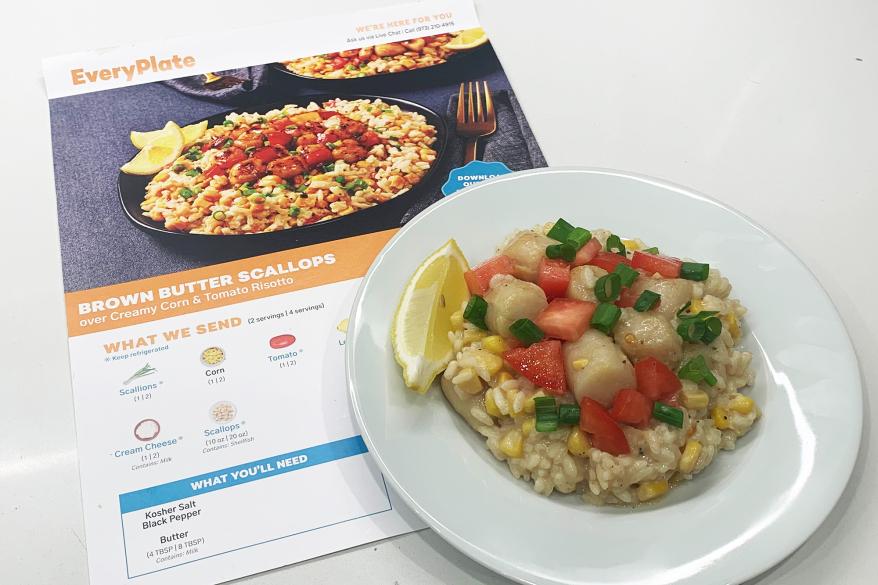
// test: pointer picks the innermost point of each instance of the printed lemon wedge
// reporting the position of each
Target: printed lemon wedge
(191, 133)
(419, 333)
(468, 39)
(158, 152)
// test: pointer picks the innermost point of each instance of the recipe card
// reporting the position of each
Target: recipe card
(217, 209)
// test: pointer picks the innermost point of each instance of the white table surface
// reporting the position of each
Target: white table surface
(768, 106)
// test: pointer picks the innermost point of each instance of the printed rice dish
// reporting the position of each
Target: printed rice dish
(598, 366)
(292, 167)
(375, 60)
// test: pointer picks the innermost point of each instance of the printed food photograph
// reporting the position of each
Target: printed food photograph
(270, 160)
(284, 168)
(392, 57)
(589, 363)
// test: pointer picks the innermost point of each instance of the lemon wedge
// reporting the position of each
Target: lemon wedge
(419, 333)
(158, 152)
(467, 39)
(191, 133)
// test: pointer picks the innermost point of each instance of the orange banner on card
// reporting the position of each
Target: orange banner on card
(150, 299)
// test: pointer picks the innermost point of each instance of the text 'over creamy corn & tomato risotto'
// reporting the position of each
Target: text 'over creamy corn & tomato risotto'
(589, 363)
(291, 167)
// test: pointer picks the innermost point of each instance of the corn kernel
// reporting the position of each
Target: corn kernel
(720, 417)
(510, 398)
(457, 320)
(471, 335)
(694, 398)
(490, 405)
(580, 363)
(631, 244)
(732, 325)
(577, 443)
(652, 489)
(503, 378)
(742, 404)
(527, 426)
(512, 444)
(467, 381)
(494, 344)
(696, 306)
(529, 405)
(690, 456)
(486, 363)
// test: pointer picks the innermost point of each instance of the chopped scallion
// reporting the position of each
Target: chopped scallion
(339, 179)
(627, 274)
(186, 193)
(615, 245)
(691, 330)
(560, 231)
(605, 317)
(712, 329)
(546, 419)
(694, 271)
(608, 287)
(646, 301)
(578, 237)
(193, 172)
(563, 251)
(568, 414)
(219, 215)
(294, 211)
(525, 330)
(475, 311)
(667, 414)
(696, 370)
(652, 250)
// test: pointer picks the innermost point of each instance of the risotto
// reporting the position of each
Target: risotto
(596, 365)
(292, 167)
(375, 60)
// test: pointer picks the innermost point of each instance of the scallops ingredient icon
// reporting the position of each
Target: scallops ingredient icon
(223, 411)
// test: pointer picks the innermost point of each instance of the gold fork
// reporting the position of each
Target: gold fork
(473, 120)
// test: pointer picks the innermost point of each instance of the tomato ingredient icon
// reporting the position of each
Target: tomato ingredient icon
(282, 341)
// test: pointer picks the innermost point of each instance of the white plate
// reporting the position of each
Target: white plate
(747, 511)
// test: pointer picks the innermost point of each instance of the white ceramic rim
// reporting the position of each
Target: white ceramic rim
(782, 548)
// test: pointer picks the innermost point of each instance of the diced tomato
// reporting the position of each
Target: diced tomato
(369, 138)
(541, 363)
(655, 380)
(627, 298)
(317, 154)
(652, 263)
(605, 432)
(553, 276)
(608, 260)
(228, 158)
(587, 252)
(631, 407)
(326, 114)
(278, 138)
(267, 154)
(565, 319)
(212, 171)
(281, 123)
(479, 278)
(339, 62)
(328, 136)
